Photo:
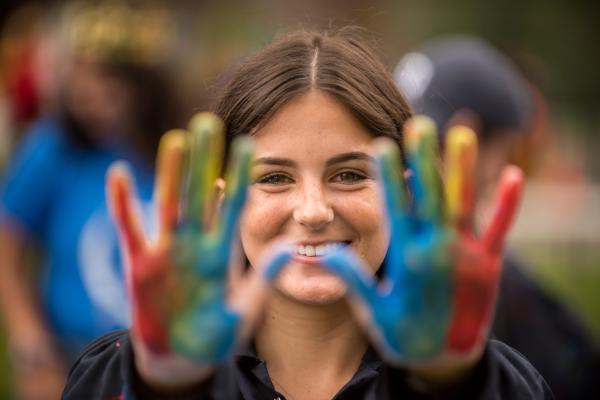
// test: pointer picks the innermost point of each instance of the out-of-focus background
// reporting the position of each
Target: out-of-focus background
(553, 43)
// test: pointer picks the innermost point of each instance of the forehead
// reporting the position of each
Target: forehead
(310, 125)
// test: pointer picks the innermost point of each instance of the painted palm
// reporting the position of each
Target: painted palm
(178, 282)
(439, 283)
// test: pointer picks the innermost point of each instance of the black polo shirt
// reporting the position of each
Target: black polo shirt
(105, 371)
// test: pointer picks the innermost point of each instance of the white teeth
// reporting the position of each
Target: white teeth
(319, 250)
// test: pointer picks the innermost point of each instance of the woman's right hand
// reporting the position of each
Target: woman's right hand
(187, 314)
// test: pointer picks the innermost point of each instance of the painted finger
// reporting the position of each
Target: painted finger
(421, 144)
(279, 256)
(236, 188)
(122, 203)
(206, 152)
(264, 273)
(258, 279)
(350, 269)
(460, 159)
(507, 202)
(391, 171)
(169, 175)
(250, 298)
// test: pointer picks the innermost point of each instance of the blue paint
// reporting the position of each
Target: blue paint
(277, 260)
(202, 328)
(205, 332)
(410, 318)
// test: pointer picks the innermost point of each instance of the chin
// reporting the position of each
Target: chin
(310, 284)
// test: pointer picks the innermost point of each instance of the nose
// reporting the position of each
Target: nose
(312, 209)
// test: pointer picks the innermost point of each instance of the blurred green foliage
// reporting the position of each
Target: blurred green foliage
(571, 273)
(554, 41)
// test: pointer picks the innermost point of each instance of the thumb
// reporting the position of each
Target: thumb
(250, 294)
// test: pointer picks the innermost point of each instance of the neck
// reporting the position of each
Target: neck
(311, 351)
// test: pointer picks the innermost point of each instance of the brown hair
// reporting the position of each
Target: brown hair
(339, 63)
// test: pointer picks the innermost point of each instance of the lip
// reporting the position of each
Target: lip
(321, 242)
(316, 260)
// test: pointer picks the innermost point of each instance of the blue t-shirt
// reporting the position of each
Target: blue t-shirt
(56, 191)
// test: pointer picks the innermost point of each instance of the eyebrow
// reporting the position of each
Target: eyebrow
(285, 162)
(355, 155)
(274, 161)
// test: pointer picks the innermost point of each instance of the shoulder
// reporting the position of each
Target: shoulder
(505, 373)
(99, 370)
(30, 180)
(105, 370)
(48, 132)
(40, 147)
(501, 373)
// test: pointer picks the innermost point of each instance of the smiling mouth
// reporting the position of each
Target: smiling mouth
(319, 250)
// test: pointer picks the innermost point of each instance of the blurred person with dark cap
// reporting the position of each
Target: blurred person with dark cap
(463, 80)
(115, 102)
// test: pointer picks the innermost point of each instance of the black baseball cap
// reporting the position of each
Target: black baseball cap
(459, 72)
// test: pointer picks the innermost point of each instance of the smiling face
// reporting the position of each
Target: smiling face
(313, 185)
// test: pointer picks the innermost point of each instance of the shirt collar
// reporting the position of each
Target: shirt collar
(368, 369)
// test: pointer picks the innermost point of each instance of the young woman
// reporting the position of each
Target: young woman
(370, 298)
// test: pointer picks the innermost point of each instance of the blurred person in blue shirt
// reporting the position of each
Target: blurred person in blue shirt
(463, 80)
(114, 104)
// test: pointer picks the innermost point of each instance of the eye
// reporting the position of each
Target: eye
(274, 179)
(348, 177)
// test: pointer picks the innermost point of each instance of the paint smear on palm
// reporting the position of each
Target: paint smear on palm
(204, 330)
(461, 156)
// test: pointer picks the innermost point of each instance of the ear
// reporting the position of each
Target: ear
(220, 191)
(212, 211)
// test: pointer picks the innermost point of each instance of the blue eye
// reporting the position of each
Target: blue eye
(348, 177)
(274, 179)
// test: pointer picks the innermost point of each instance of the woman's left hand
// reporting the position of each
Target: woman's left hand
(433, 307)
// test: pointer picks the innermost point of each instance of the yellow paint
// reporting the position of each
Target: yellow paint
(461, 156)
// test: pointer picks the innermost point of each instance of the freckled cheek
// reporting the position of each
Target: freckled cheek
(367, 218)
(261, 222)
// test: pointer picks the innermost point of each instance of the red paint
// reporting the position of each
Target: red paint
(146, 267)
(477, 272)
